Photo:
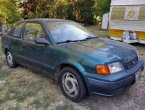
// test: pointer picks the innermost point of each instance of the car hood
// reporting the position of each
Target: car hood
(103, 50)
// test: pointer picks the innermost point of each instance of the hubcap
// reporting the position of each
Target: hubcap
(10, 59)
(70, 84)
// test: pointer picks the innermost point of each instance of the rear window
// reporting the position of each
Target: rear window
(17, 30)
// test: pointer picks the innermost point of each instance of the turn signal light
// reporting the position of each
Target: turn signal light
(102, 70)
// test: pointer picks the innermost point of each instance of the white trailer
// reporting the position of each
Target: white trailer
(127, 21)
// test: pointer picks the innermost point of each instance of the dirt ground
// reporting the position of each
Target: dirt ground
(22, 89)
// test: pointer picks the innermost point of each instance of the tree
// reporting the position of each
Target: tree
(9, 13)
(78, 10)
(39, 8)
(83, 11)
(102, 6)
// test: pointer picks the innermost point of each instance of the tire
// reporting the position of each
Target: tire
(10, 60)
(72, 84)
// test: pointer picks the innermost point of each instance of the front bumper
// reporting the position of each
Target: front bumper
(114, 84)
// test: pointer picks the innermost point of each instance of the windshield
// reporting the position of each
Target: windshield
(67, 31)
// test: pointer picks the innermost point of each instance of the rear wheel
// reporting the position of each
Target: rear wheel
(71, 84)
(10, 60)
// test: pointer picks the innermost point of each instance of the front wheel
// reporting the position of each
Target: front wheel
(72, 84)
(10, 60)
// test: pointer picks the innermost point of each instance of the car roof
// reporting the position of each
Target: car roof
(46, 20)
(42, 20)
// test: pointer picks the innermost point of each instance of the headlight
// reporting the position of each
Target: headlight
(108, 69)
(115, 67)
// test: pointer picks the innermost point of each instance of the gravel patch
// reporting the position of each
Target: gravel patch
(132, 99)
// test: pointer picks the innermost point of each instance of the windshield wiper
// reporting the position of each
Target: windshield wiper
(67, 41)
(88, 38)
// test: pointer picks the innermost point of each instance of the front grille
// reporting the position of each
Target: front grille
(132, 62)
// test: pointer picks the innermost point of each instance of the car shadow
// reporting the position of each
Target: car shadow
(138, 45)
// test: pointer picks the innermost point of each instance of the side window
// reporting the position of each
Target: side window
(33, 30)
(17, 30)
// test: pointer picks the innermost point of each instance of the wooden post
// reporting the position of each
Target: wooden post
(4, 29)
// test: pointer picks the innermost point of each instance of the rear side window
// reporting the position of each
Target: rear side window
(17, 30)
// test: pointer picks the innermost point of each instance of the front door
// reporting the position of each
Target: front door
(35, 55)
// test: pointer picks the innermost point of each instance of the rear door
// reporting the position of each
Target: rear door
(14, 41)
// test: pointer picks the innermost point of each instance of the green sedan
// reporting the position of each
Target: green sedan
(81, 62)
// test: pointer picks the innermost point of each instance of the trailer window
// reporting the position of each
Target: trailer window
(142, 14)
(118, 13)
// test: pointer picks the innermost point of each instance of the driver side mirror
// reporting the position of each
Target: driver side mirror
(40, 40)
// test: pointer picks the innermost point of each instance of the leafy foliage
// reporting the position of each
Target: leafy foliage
(83, 11)
(102, 6)
(9, 13)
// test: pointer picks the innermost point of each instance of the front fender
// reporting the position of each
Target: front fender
(73, 64)
(76, 65)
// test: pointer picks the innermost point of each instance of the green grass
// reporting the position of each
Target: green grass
(94, 29)
(17, 107)
(43, 102)
(4, 73)
(23, 90)
(64, 107)
(1, 53)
